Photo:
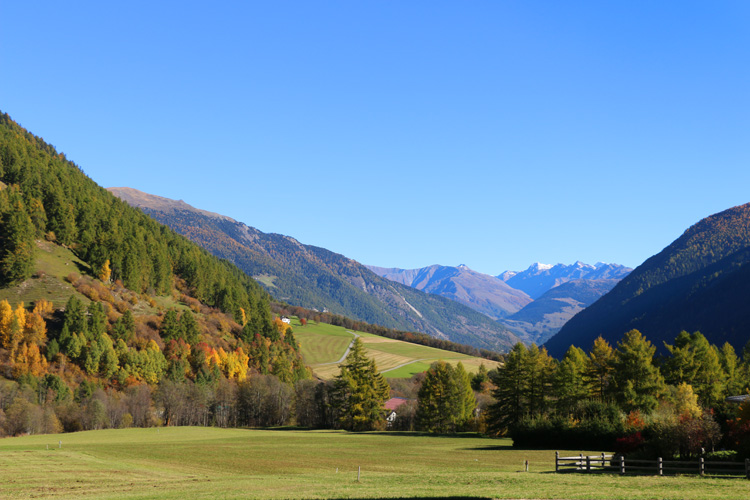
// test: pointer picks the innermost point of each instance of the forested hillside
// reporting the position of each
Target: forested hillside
(97, 296)
(700, 282)
(317, 278)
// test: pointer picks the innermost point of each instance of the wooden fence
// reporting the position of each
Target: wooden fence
(617, 464)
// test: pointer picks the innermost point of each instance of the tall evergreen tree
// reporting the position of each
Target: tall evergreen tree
(360, 391)
(638, 381)
(446, 400)
(16, 238)
(600, 367)
(570, 385)
(541, 369)
(511, 380)
(695, 362)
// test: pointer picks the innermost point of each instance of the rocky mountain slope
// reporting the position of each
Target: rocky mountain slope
(534, 320)
(544, 317)
(317, 278)
(481, 292)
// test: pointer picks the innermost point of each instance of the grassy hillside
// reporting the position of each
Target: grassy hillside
(322, 345)
(52, 264)
(198, 463)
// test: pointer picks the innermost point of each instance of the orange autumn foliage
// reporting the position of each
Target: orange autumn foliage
(29, 361)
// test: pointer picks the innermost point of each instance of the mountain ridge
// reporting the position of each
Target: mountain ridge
(539, 278)
(481, 292)
(318, 278)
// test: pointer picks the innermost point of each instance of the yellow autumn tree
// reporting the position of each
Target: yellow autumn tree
(243, 360)
(281, 327)
(29, 361)
(243, 317)
(35, 329)
(6, 318)
(42, 307)
(12, 324)
(106, 272)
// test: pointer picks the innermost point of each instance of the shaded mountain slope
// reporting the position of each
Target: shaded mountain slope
(317, 278)
(699, 282)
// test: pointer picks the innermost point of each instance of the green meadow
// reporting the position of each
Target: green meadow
(323, 346)
(203, 463)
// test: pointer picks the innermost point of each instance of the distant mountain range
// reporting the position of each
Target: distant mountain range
(700, 282)
(481, 292)
(538, 278)
(319, 279)
(560, 291)
(544, 317)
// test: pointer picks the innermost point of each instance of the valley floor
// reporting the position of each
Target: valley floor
(196, 463)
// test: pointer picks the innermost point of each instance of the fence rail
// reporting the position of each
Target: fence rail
(610, 463)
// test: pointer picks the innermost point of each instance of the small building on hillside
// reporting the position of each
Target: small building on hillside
(286, 320)
(391, 406)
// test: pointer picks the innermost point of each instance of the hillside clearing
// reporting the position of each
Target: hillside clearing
(322, 346)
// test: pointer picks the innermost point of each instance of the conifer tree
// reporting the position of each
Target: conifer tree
(189, 327)
(599, 370)
(446, 401)
(638, 381)
(695, 362)
(360, 391)
(16, 238)
(106, 272)
(511, 394)
(170, 326)
(570, 381)
(731, 365)
(541, 369)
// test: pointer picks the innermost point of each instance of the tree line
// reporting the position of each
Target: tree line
(623, 397)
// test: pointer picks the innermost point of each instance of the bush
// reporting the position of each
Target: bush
(593, 425)
(723, 456)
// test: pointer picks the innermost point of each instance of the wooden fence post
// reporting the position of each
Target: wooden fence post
(747, 468)
(702, 466)
(580, 461)
(603, 458)
(660, 466)
(557, 462)
(622, 464)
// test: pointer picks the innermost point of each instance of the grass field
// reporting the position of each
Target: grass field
(196, 463)
(323, 345)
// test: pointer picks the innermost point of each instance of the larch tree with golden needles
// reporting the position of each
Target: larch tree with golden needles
(106, 272)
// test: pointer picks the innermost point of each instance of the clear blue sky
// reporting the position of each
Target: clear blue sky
(403, 133)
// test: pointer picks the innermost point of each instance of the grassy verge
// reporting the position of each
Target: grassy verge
(192, 463)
